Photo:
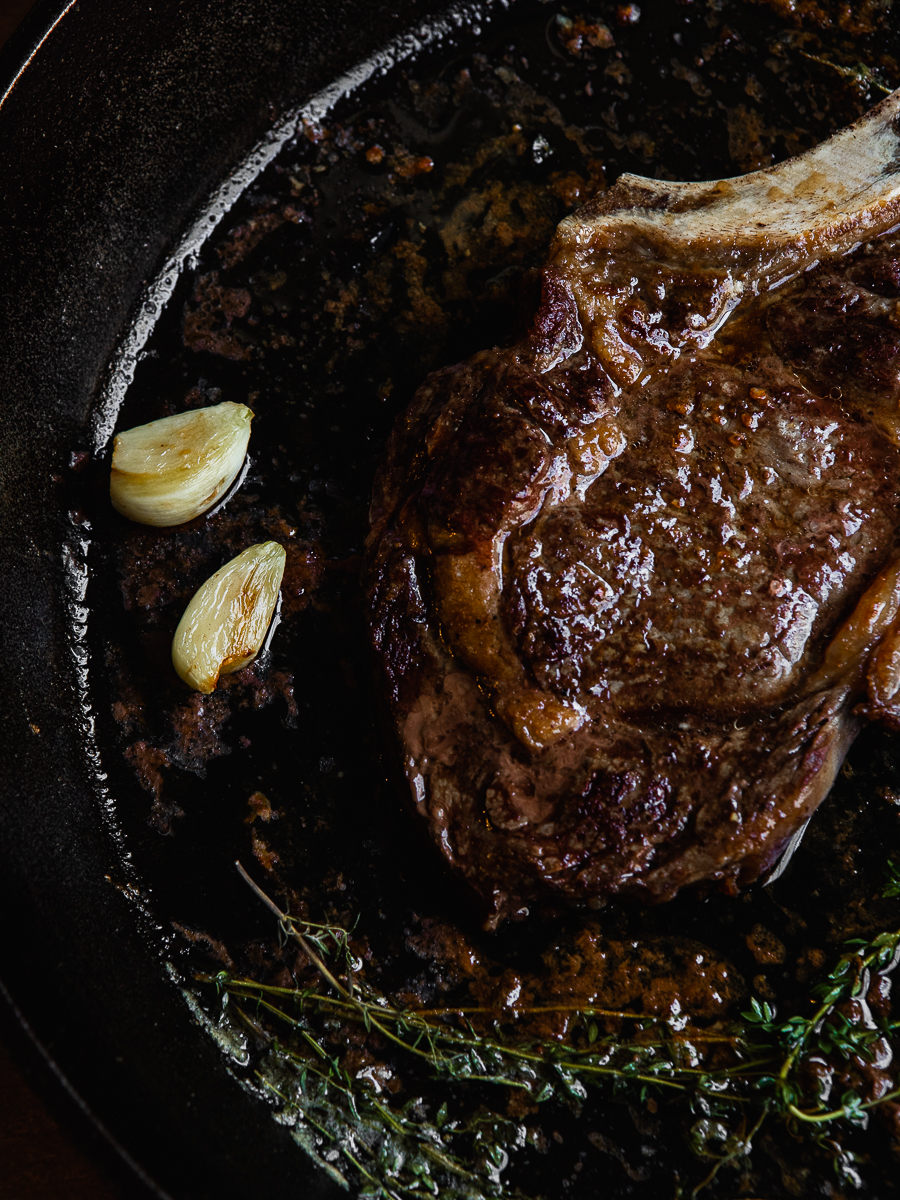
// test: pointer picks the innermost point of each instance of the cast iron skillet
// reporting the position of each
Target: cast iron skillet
(117, 120)
(117, 123)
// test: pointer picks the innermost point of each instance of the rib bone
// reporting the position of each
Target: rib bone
(654, 266)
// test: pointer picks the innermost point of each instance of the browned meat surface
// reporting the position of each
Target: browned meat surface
(633, 581)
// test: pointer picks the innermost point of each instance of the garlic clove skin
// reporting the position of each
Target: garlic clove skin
(225, 624)
(174, 469)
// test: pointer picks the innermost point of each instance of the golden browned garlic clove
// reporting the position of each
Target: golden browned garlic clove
(225, 623)
(172, 470)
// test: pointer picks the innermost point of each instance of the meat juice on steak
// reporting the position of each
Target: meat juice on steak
(630, 579)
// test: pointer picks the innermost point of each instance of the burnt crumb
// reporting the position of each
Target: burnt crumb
(857, 19)
(214, 947)
(747, 139)
(628, 14)
(407, 166)
(444, 945)
(810, 963)
(195, 732)
(260, 808)
(197, 724)
(254, 688)
(203, 395)
(580, 34)
(765, 946)
(148, 762)
(244, 237)
(519, 1105)
(263, 853)
(574, 189)
(430, 98)
(128, 709)
(209, 317)
(762, 987)
(669, 977)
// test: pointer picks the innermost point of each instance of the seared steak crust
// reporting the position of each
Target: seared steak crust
(624, 622)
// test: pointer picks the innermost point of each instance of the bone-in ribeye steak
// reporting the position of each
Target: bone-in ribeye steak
(633, 583)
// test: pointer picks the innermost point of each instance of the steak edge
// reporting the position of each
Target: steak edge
(632, 582)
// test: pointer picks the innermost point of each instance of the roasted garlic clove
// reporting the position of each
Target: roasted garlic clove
(224, 625)
(172, 470)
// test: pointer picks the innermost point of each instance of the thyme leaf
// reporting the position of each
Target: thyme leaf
(735, 1078)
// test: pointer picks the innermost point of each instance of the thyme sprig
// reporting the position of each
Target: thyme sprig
(733, 1078)
(458, 1052)
(861, 73)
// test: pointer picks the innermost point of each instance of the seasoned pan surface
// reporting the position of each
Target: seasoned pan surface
(397, 231)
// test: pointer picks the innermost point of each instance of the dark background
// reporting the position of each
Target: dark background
(49, 1146)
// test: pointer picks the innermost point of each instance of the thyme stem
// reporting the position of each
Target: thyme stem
(289, 929)
(758, 1077)
(835, 1114)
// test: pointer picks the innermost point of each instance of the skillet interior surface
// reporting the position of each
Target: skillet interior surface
(369, 252)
